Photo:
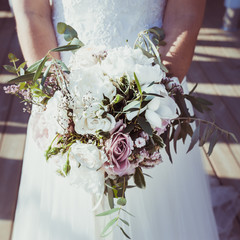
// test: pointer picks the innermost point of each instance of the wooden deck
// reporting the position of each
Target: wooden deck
(216, 67)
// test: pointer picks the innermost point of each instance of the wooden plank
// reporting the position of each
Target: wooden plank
(13, 124)
(5, 226)
(7, 31)
(221, 109)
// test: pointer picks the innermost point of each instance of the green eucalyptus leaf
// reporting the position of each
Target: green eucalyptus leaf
(118, 98)
(139, 178)
(131, 105)
(10, 68)
(25, 78)
(146, 127)
(159, 32)
(146, 53)
(138, 84)
(195, 138)
(34, 66)
(12, 57)
(76, 41)
(61, 27)
(193, 89)
(66, 167)
(213, 141)
(147, 175)
(175, 137)
(152, 94)
(205, 135)
(110, 224)
(39, 69)
(63, 66)
(70, 33)
(167, 142)
(66, 48)
(105, 235)
(108, 212)
(45, 74)
(110, 193)
(22, 65)
(122, 201)
(129, 128)
(127, 212)
(124, 221)
(124, 233)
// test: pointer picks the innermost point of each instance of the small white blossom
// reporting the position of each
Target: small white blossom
(140, 142)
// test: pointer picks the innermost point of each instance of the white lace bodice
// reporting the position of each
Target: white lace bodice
(108, 22)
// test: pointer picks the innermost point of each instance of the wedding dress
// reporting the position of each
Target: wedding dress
(175, 204)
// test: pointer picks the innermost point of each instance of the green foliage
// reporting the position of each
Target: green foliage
(34, 66)
(108, 212)
(25, 78)
(146, 127)
(61, 27)
(10, 68)
(39, 69)
(122, 201)
(66, 48)
(139, 179)
(110, 193)
(12, 57)
(137, 83)
(125, 234)
(66, 167)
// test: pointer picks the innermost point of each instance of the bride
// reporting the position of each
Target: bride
(176, 203)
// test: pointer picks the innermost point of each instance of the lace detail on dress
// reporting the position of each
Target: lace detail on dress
(108, 22)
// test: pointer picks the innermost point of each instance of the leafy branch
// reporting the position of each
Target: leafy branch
(211, 133)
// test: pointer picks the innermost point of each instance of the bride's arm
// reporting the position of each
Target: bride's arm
(34, 26)
(181, 23)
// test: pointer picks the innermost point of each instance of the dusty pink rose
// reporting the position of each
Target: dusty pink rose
(119, 148)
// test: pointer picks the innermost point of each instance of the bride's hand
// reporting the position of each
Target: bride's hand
(181, 23)
(34, 27)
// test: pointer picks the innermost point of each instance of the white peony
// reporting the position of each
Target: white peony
(90, 125)
(125, 61)
(87, 56)
(88, 155)
(90, 80)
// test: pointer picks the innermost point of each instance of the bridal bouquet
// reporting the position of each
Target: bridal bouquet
(108, 115)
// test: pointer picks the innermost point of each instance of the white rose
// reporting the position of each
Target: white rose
(156, 89)
(160, 109)
(88, 155)
(91, 125)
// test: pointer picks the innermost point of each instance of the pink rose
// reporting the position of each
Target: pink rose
(119, 148)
